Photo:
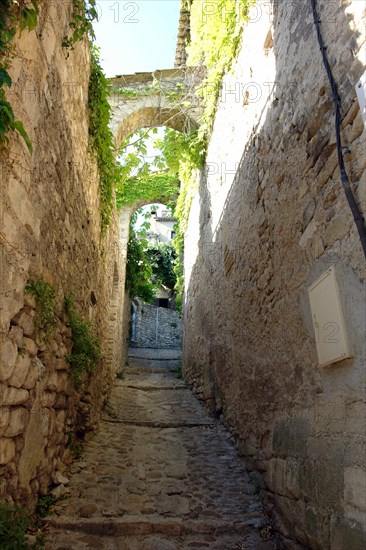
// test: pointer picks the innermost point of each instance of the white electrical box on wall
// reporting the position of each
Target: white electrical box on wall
(361, 95)
(328, 320)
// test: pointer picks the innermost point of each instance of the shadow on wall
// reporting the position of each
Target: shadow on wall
(272, 218)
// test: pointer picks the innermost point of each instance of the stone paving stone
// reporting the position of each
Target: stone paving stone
(160, 474)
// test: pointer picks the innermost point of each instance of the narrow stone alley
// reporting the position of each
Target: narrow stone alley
(159, 474)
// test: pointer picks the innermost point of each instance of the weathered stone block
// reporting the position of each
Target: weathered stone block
(48, 399)
(8, 356)
(30, 346)
(327, 449)
(21, 370)
(346, 534)
(7, 450)
(355, 489)
(317, 526)
(290, 516)
(57, 381)
(16, 336)
(17, 421)
(4, 419)
(15, 396)
(275, 476)
(290, 437)
(330, 415)
(321, 483)
(356, 418)
(26, 322)
(34, 373)
(292, 478)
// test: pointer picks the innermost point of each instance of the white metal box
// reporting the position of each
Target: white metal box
(361, 95)
(328, 320)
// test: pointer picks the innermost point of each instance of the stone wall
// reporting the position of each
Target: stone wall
(155, 327)
(51, 230)
(269, 218)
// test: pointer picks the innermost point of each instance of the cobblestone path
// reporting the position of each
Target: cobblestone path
(159, 475)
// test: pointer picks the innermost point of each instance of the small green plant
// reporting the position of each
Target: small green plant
(86, 349)
(44, 504)
(120, 375)
(75, 446)
(44, 293)
(179, 373)
(84, 12)
(14, 522)
(111, 414)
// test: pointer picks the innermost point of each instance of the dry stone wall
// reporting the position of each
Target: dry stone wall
(51, 231)
(155, 327)
(269, 219)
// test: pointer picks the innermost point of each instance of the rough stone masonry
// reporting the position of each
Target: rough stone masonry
(51, 230)
(270, 217)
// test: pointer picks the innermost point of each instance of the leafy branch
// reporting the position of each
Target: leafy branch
(84, 12)
(13, 16)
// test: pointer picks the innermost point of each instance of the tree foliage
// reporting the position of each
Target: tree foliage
(149, 266)
(138, 270)
(162, 258)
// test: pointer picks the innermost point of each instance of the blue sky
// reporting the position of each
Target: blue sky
(136, 35)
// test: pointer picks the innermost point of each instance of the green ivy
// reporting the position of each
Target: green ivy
(13, 16)
(14, 522)
(45, 294)
(130, 93)
(218, 30)
(44, 504)
(158, 187)
(83, 14)
(101, 137)
(85, 351)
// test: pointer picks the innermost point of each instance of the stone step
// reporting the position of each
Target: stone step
(161, 425)
(175, 527)
(72, 540)
(156, 367)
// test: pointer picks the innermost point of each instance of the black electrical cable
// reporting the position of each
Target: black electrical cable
(357, 215)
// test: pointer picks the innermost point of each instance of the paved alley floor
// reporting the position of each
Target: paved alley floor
(159, 474)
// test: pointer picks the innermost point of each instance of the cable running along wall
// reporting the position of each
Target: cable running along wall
(357, 215)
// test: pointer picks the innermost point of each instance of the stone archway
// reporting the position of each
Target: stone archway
(160, 98)
(146, 100)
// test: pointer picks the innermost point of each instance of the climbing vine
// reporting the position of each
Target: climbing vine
(14, 16)
(215, 27)
(84, 12)
(86, 349)
(23, 15)
(159, 186)
(101, 137)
